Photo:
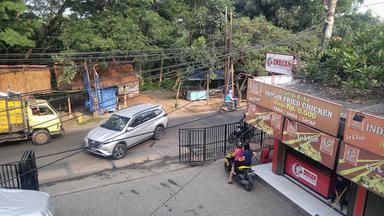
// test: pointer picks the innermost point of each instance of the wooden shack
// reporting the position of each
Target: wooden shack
(25, 78)
(114, 74)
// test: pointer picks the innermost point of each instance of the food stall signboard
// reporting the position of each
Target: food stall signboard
(362, 167)
(265, 120)
(308, 175)
(279, 63)
(319, 146)
(315, 112)
(365, 131)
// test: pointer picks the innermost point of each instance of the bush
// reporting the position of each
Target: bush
(168, 84)
(355, 64)
(149, 85)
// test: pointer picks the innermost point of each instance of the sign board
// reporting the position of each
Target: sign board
(312, 111)
(265, 120)
(310, 142)
(362, 167)
(279, 63)
(308, 175)
(365, 131)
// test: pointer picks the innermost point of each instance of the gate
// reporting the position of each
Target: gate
(20, 175)
(198, 145)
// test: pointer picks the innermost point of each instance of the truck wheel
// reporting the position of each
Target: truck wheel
(41, 137)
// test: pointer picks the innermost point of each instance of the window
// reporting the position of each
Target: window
(137, 121)
(148, 116)
(116, 123)
(41, 110)
(158, 112)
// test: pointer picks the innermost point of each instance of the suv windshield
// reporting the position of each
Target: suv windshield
(116, 123)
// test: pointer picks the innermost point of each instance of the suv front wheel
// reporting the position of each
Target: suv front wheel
(119, 151)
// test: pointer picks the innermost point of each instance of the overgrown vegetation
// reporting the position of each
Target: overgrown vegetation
(191, 34)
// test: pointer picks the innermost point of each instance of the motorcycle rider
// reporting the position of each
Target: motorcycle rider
(229, 99)
(244, 160)
(239, 152)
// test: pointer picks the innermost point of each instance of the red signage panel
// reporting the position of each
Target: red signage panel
(310, 142)
(308, 175)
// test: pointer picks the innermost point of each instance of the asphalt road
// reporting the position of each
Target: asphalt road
(184, 191)
(83, 163)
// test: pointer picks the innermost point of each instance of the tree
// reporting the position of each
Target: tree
(16, 27)
(355, 63)
(295, 15)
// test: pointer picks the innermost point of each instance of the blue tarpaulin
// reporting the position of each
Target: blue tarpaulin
(202, 75)
(108, 99)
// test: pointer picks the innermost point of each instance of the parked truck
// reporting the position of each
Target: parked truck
(22, 119)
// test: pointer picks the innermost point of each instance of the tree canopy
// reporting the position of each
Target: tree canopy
(197, 29)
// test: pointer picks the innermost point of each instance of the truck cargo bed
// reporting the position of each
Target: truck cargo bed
(12, 115)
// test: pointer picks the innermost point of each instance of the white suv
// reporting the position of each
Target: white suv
(127, 128)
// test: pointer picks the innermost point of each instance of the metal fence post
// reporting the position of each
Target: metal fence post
(179, 143)
(205, 145)
(225, 139)
(261, 138)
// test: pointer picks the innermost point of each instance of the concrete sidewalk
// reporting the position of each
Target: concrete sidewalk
(188, 191)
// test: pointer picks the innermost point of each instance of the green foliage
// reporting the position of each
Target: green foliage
(355, 63)
(16, 29)
(167, 84)
(268, 39)
(70, 68)
(295, 15)
(149, 85)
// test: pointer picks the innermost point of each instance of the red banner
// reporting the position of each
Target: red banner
(362, 167)
(310, 142)
(309, 176)
(265, 120)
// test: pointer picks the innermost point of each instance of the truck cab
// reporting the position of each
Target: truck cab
(43, 121)
(22, 119)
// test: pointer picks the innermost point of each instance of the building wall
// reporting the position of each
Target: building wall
(25, 78)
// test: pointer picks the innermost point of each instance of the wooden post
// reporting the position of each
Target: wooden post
(177, 94)
(125, 98)
(161, 69)
(69, 104)
(95, 111)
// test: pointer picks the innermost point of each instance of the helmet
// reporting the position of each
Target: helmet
(239, 144)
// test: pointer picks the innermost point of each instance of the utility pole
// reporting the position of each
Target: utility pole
(328, 28)
(230, 48)
(226, 53)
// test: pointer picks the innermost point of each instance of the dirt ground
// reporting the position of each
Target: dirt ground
(166, 98)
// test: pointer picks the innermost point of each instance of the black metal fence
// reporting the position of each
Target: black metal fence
(198, 145)
(20, 175)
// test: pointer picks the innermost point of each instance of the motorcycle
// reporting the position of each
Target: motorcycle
(227, 107)
(243, 132)
(245, 175)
